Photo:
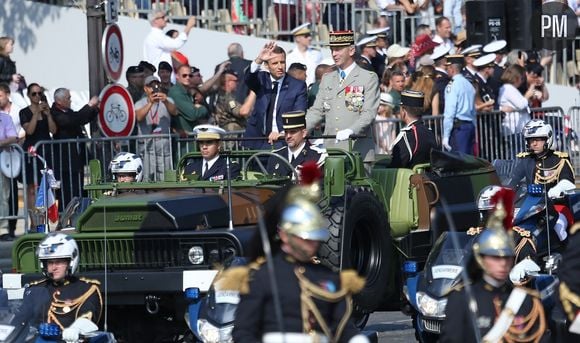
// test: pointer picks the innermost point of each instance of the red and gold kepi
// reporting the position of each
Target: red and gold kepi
(341, 38)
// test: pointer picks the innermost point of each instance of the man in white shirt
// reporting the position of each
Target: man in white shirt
(158, 46)
(304, 53)
(443, 33)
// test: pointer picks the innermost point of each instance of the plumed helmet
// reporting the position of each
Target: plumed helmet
(58, 245)
(126, 162)
(537, 128)
(302, 218)
(484, 200)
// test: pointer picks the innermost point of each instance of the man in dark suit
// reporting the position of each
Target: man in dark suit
(414, 143)
(212, 166)
(238, 64)
(276, 93)
(298, 150)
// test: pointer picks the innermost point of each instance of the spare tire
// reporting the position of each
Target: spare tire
(360, 239)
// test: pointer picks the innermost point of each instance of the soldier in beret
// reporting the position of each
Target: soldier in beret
(298, 150)
(414, 143)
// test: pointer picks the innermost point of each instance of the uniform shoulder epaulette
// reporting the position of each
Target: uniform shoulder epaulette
(523, 154)
(279, 149)
(238, 278)
(93, 281)
(521, 231)
(37, 282)
(561, 154)
(351, 281)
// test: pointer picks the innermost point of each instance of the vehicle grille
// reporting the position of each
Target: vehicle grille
(433, 326)
(144, 252)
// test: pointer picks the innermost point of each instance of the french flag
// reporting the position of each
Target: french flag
(52, 205)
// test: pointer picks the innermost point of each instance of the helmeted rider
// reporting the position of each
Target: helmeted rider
(73, 303)
(485, 314)
(542, 165)
(127, 167)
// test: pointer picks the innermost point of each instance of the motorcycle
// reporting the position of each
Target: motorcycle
(426, 291)
(211, 318)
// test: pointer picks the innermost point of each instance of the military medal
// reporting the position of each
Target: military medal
(354, 98)
(325, 106)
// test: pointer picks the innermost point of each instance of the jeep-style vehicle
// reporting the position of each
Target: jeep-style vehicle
(148, 242)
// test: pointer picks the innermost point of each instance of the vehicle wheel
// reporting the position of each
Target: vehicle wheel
(360, 239)
(360, 319)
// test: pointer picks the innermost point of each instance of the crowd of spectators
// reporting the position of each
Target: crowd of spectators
(171, 96)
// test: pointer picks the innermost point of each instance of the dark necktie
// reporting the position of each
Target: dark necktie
(271, 106)
(205, 168)
(292, 159)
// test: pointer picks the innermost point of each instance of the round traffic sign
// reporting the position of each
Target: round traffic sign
(112, 52)
(116, 112)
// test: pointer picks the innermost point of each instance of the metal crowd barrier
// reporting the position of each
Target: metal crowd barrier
(12, 174)
(571, 129)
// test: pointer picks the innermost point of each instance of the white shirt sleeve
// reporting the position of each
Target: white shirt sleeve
(511, 96)
(254, 67)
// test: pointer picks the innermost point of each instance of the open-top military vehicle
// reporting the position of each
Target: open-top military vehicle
(148, 242)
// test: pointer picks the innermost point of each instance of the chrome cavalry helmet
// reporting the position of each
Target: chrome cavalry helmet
(537, 128)
(58, 246)
(126, 162)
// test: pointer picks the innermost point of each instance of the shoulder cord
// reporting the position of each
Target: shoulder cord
(568, 299)
(57, 305)
(557, 169)
(515, 335)
(309, 291)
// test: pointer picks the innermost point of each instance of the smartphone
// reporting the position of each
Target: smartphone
(486, 98)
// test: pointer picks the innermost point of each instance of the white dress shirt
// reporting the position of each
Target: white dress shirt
(158, 46)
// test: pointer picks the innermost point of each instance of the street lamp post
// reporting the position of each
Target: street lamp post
(95, 28)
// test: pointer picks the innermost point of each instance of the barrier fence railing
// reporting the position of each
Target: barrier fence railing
(571, 129)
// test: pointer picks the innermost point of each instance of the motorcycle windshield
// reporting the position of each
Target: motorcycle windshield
(445, 262)
(527, 207)
(221, 309)
(10, 330)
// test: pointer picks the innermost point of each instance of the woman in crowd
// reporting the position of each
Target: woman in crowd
(385, 127)
(8, 72)
(515, 105)
(424, 81)
(38, 124)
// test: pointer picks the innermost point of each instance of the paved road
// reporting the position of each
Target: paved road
(392, 327)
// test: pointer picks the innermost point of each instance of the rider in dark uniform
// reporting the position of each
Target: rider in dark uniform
(298, 150)
(212, 166)
(441, 77)
(315, 303)
(73, 303)
(479, 311)
(544, 166)
(414, 143)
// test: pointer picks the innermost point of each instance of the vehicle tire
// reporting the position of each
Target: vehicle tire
(360, 319)
(364, 244)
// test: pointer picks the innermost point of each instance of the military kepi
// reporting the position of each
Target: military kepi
(294, 120)
(208, 132)
(412, 98)
(341, 38)
(455, 59)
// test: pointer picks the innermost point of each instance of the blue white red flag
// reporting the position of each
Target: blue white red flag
(45, 188)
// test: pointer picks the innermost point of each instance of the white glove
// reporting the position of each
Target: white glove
(71, 335)
(80, 326)
(445, 144)
(318, 142)
(521, 271)
(360, 338)
(558, 190)
(343, 135)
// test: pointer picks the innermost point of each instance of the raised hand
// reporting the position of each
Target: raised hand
(267, 53)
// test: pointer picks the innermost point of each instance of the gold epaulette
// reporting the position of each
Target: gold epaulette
(351, 281)
(37, 282)
(472, 231)
(522, 232)
(575, 228)
(570, 300)
(93, 281)
(523, 154)
(238, 278)
(561, 154)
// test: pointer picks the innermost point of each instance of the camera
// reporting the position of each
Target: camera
(156, 88)
(486, 98)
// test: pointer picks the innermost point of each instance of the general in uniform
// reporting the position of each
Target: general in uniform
(493, 310)
(298, 150)
(212, 166)
(414, 143)
(348, 99)
(315, 303)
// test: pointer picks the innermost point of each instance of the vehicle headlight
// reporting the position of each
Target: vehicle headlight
(195, 254)
(211, 334)
(429, 306)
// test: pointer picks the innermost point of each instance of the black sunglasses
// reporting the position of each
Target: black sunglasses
(35, 93)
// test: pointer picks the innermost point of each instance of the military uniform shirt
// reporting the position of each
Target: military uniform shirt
(307, 153)
(311, 59)
(413, 146)
(549, 169)
(227, 112)
(216, 172)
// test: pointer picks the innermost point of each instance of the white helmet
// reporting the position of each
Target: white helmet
(55, 246)
(484, 199)
(537, 128)
(126, 162)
